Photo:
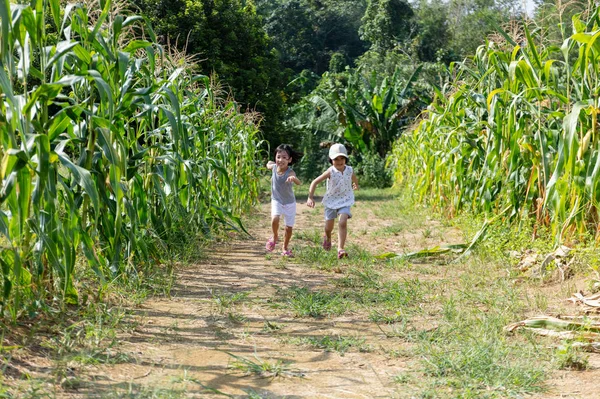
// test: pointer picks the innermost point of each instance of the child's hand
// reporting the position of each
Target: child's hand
(354, 186)
(291, 179)
(310, 203)
(270, 164)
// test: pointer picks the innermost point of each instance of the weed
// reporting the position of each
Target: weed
(403, 378)
(226, 300)
(252, 394)
(140, 392)
(379, 317)
(357, 278)
(271, 327)
(186, 378)
(568, 357)
(312, 236)
(261, 368)
(401, 294)
(314, 304)
(339, 344)
(236, 318)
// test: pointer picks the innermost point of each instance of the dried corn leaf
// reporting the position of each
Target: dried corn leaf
(592, 300)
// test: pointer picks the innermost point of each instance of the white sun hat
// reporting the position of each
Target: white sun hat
(337, 150)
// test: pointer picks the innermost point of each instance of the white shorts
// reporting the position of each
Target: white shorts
(288, 211)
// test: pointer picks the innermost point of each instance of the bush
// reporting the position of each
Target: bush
(371, 171)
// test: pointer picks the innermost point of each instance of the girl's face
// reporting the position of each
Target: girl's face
(282, 160)
(339, 163)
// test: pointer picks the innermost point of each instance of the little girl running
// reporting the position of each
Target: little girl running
(283, 200)
(338, 198)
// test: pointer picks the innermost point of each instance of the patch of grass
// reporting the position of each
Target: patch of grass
(225, 300)
(355, 277)
(401, 295)
(101, 356)
(393, 230)
(314, 236)
(402, 378)
(379, 317)
(141, 392)
(468, 352)
(260, 367)
(313, 303)
(236, 318)
(568, 357)
(339, 344)
(91, 339)
(317, 257)
(271, 326)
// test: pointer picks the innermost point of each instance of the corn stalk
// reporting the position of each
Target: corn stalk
(517, 128)
(109, 151)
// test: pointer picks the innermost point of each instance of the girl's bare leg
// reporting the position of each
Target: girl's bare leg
(342, 230)
(329, 228)
(275, 227)
(287, 237)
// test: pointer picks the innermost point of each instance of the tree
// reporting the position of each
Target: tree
(386, 23)
(471, 21)
(229, 39)
(433, 35)
(307, 32)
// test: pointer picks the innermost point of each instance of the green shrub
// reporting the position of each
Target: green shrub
(371, 171)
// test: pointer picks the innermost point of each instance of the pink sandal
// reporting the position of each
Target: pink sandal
(342, 254)
(326, 244)
(270, 245)
(287, 254)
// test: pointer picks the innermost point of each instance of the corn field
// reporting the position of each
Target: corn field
(515, 130)
(110, 149)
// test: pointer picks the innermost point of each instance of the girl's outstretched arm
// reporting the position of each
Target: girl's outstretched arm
(311, 191)
(354, 181)
(271, 165)
(293, 179)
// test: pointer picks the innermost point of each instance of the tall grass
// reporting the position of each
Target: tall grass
(109, 149)
(516, 127)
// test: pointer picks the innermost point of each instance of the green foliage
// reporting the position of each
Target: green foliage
(517, 128)
(113, 152)
(366, 111)
(229, 39)
(307, 33)
(386, 23)
(314, 304)
(568, 357)
(339, 344)
(471, 22)
(433, 38)
(371, 171)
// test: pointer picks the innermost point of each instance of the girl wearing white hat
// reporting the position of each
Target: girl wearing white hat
(339, 197)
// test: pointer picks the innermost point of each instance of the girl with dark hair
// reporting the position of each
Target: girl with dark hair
(283, 200)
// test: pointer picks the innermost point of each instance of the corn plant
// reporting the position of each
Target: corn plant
(516, 128)
(108, 149)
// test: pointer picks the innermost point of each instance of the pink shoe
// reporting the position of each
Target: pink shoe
(287, 254)
(342, 254)
(270, 245)
(326, 244)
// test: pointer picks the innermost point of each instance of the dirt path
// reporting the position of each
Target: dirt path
(224, 321)
(189, 339)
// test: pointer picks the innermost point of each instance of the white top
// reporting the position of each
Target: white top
(339, 189)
